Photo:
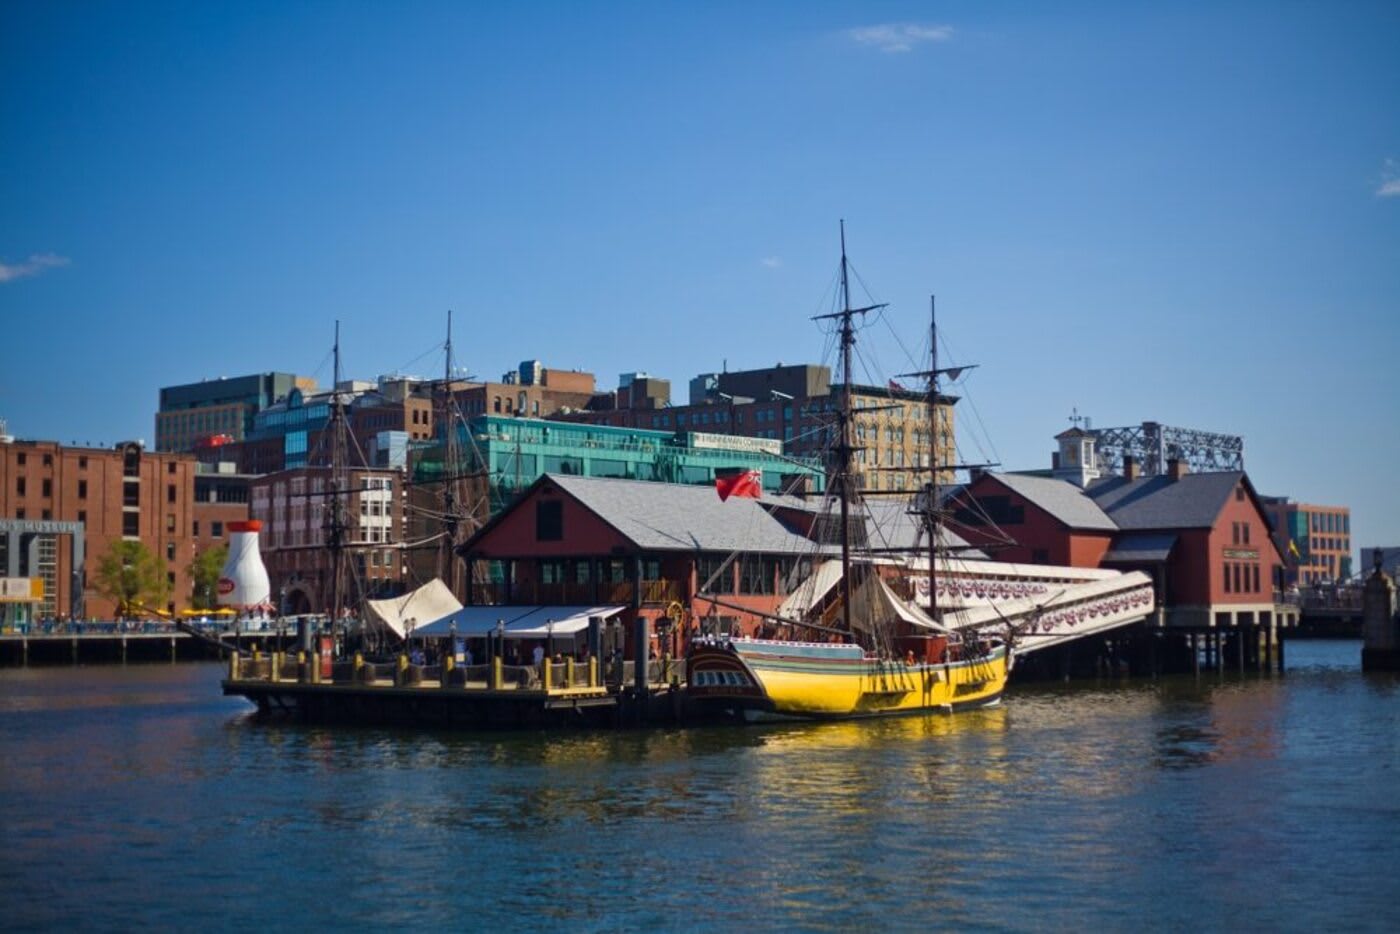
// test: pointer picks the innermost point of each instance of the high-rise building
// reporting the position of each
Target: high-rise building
(796, 406)
(219, 409)
(1315, 540)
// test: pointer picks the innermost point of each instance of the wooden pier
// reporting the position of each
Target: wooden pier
(490, 695)
(72, 647)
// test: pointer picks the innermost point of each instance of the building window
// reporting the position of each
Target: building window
(82, 463)
(82, 489)
(216, 529)
(170, 467)
(48, 460)
(21, 459)
(1236, 572)
(131, 524)
(170, 551)
(549, 521)
(1239, 493)
(170, 522)
(1244, 532)
(1254, 575)
(82, 516)
(1227, 578)
(46, 487)
(19, 513)
(1234, 533)
(46, 514)
(170, 493)
(194, 530)
(19, 485)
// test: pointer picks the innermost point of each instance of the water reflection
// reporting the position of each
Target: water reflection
(1068, 806)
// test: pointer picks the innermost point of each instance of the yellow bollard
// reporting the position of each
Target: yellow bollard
(359, 663)
(233, 667)
(276, 672)
(448, 663)
(568, 672)
(497, 674)
(593, 671)
(544, 674)
(399, 670)
(302, 673)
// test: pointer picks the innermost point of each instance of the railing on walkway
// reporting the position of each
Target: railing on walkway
(548, 678)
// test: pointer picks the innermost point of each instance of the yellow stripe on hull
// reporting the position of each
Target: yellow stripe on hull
(876, 688)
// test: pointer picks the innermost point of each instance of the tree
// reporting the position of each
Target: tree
(132, 576)
(204, 571)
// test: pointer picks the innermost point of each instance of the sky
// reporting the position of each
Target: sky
(1186, 213)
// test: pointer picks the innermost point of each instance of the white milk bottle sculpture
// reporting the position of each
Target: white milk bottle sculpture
(243, 583)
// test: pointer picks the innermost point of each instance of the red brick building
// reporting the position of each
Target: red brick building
(293, 506)
(118, 494)
(647, 547)
(1204, 538)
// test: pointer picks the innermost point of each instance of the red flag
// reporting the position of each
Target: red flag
(896, 387)
(749, 483)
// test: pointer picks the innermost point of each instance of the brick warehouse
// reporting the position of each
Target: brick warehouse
(110, 494)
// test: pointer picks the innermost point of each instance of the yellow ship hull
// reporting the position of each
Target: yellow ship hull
(818, 681)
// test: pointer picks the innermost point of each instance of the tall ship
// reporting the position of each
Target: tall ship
(855, 639)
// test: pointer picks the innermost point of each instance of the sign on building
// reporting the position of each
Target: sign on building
(701, 439)
(21, 589)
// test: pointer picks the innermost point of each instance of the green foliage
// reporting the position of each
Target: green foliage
(204, 572)
(132, 576)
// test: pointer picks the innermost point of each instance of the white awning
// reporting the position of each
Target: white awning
(431, 601)
(517, 622)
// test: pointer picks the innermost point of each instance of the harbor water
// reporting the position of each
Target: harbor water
(138, 796)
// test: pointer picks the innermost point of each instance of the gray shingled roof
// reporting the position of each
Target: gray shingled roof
(1140, 548)
(676, 517)
(890, 524)
(1061, 499)
(1193, 502)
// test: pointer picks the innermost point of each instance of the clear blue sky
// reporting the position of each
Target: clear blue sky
(1187, 213)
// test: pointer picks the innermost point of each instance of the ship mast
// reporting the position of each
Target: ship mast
(336, 525)
(934, 516)
(845, 449)
(447, 567)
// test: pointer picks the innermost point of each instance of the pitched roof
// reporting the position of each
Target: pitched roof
(890, 524)
(1140, 548)
(1192, 502)
(678, 517)
(1061, 499)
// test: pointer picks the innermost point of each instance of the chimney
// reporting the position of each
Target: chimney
(1176, 468)
(1131, 469)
